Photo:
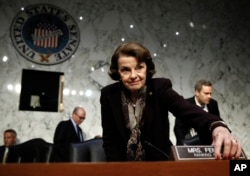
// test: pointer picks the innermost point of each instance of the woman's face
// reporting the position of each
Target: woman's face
(133, 74)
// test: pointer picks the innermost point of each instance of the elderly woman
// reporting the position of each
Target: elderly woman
(135, 111)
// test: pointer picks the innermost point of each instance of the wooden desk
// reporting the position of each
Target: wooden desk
(170, 168)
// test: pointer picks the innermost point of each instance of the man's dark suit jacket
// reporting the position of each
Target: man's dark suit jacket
(2, 150)
(65, 134)
(160, 99)
(181, 129)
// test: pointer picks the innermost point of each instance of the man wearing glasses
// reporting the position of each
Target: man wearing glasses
(68, 132)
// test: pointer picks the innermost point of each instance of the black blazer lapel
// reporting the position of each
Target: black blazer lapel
(115, 100)
(147, 114)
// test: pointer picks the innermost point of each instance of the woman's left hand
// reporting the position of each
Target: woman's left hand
(226, 146)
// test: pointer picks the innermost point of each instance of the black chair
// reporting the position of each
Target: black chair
(34, 150)
(88, 151)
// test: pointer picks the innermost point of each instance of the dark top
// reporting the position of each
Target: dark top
(160, 100)
(2, 150)
(65, 134)
(182, 130)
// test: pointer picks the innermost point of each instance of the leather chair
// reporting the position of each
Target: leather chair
(34, 150)
(88, 151)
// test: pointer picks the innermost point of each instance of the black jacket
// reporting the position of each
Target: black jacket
(160, 100)
(181, 129)
(65, 134)
(2, 150)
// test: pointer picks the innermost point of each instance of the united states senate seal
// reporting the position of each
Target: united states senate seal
(45, 34)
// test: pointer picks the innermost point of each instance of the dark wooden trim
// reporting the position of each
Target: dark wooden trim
(172, 168)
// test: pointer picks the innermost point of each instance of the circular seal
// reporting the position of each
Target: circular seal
(45, 34)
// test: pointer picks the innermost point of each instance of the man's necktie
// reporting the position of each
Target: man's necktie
(79, 133)
(204, 108)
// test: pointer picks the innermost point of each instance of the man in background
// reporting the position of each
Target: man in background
(68, 132)
(9, 139)
(202, 98)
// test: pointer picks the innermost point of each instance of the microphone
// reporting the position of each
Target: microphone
(156, 149)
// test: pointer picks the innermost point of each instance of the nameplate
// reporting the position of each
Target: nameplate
(204, 152)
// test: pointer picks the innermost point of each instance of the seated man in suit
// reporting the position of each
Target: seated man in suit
(68, 132)
(10, 138)
(203, 98)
